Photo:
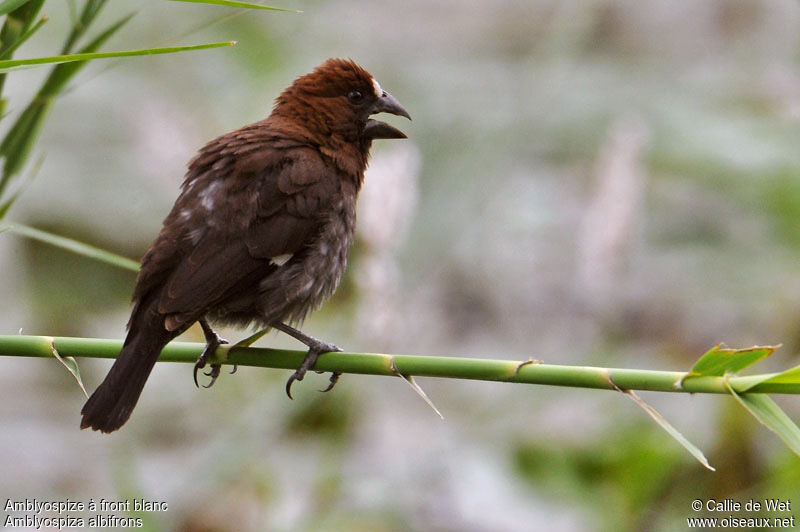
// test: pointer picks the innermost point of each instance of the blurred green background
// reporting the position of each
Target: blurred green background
(605, 182)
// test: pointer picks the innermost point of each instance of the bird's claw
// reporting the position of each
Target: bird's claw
(334, 379)
(296, 376)
(213, 373)
(318, 348)
(213, 340)
(200, 364)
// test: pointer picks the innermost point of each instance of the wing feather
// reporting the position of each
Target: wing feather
(271, 202)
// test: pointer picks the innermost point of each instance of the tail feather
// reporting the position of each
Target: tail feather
(111, 404)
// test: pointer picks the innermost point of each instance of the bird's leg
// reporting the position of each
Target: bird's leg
(315, 349)
(213, 340)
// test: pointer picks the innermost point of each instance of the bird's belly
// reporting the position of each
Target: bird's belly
(304, 282)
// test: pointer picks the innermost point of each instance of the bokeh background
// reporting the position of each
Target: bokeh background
(605, 182)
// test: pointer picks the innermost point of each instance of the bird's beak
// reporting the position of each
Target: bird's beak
(375, 129)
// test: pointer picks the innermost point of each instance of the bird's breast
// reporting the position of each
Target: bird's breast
(327, 256)
(312, 275)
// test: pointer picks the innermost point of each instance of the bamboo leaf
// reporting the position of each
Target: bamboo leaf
(6, 205)
(17, 64)
(672, 431)
(73, 245)
(82, 22)
(776, 382)
(719, 360)
(16, 30)
(247, 342)
(233, 3)
(769, 414)
(7, 6)
(18, 23)
(19, 141)
(22, 38)
(71, 365)
(790, 376)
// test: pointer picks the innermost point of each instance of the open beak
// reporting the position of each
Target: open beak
(376, 129)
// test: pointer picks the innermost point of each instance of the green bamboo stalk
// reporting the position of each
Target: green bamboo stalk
(529, 372)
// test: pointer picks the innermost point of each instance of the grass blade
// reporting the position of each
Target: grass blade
(82, 22)
(19, 141)
(234, 3)
(16, 30)
(17, 64)
(7, 6)
(6, 205)
(6, 53)
(72, 245)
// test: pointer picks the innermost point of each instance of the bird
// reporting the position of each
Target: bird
(260, 233)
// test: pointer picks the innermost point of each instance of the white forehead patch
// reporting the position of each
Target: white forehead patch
(377, 86)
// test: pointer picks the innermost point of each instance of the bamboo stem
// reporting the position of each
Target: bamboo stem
(421, 366)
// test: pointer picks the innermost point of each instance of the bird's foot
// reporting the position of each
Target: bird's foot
(213, 340)
(334, 379)
(315, 349)
(212, 372)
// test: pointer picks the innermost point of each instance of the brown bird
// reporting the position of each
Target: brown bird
(260, 233)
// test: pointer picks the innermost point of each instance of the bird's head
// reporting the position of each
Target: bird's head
(338, 97)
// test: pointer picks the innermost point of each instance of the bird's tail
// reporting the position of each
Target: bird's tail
(111, 404)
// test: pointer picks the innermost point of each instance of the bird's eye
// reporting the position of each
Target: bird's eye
(355, 96)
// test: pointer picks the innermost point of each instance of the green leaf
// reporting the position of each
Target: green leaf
(7, 6)
(17, 28)
(233, 3)
(72, 245)
(17, 64)
(81, 23)
(71, 365)
(22, 38)
(719, 361)
(18, 23)
(790, 376)
(19, 141)
(6, 205)
(766, 411)
(250, 340)
(672, 431)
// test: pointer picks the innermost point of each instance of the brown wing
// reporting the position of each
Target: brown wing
(219, 263)
(244, 201)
